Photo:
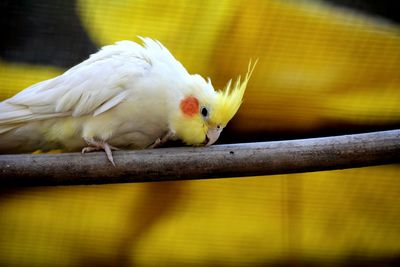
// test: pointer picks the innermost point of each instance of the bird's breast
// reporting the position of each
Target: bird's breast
(132, 124)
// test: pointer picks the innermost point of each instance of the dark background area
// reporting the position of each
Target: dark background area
(50, 32)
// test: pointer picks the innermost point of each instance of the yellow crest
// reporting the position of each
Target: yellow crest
(229, 100)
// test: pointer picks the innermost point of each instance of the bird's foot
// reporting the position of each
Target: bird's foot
(162, 140)
(156, 143)
(95, 145)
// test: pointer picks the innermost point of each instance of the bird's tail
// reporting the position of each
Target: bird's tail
(10, 115)
(6, 112)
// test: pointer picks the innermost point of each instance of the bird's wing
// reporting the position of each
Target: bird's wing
(92, 87)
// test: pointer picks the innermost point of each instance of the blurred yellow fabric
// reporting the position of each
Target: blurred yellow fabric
(318, 66)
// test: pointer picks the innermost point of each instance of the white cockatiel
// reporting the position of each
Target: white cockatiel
(124, 96)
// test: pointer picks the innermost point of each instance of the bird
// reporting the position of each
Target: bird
(125, 96)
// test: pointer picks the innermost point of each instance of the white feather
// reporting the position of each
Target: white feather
(111, 103)
(94, 86)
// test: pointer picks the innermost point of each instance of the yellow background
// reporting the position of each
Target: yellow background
(320, 67)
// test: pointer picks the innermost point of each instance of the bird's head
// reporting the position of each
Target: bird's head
(203, 112)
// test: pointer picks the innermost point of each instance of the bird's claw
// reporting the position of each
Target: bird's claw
(156, 143)
(99, 145)
(162, 140)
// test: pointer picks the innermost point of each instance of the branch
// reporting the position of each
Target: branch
(186, 163)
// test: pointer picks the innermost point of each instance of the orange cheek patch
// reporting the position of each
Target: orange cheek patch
(190, 106)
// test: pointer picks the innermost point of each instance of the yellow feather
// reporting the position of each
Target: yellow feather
(192, 130)
(229, 100)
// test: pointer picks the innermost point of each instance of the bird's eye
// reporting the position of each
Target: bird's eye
(204, 112)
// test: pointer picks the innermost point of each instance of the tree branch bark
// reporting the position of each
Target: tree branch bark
(186, 163)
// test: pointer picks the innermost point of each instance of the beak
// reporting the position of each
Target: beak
(213, 135)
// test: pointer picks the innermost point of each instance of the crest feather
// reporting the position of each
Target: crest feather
(230, 99)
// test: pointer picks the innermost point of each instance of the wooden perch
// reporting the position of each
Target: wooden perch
(185, 163)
